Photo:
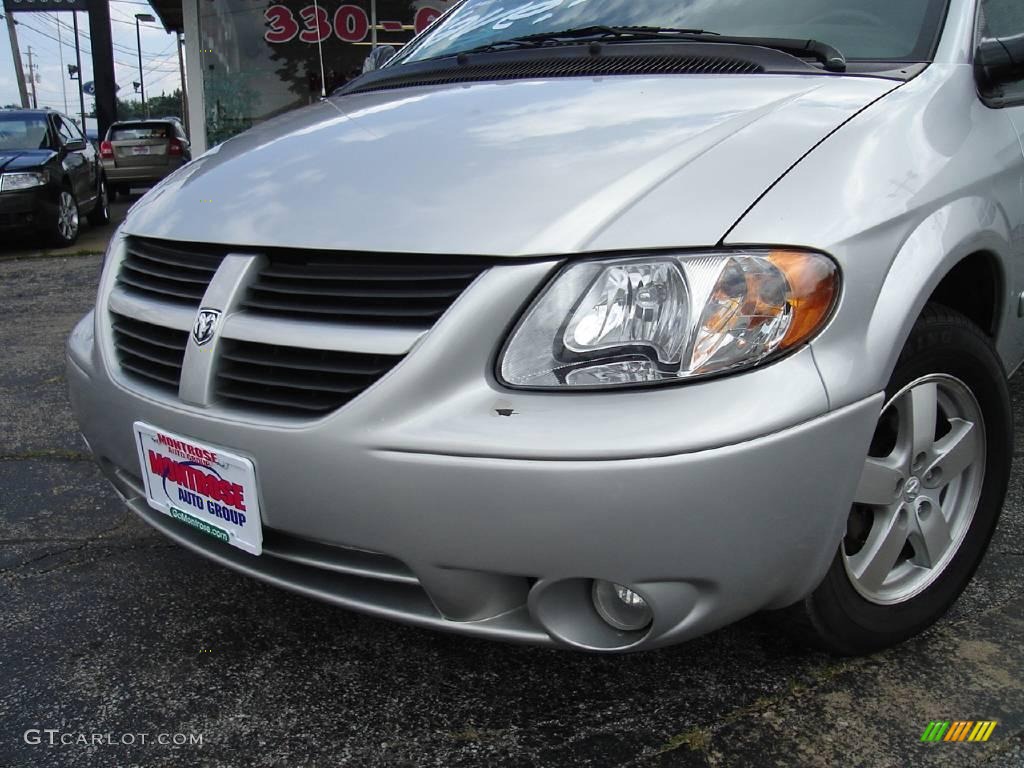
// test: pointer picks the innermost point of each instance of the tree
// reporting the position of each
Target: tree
(159, 106)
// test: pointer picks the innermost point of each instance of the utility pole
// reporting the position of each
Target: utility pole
(148, 17)
(78, 61)
(63, 80)
(184, 93)
(19, 73)
(32, 79)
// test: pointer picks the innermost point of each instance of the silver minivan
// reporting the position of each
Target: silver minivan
(664, 314)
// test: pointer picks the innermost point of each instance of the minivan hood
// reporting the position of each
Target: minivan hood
(522, 168)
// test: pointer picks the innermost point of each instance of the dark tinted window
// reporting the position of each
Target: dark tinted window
(63, 130)
(21, 131)
(890, 30)
(140, 131)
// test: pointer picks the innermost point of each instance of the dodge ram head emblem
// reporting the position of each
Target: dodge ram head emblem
(206, 324)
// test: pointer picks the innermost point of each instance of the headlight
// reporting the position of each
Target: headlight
(11, 182)
(653, 319)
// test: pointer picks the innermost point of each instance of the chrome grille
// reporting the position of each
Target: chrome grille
(395, 289)
(293, 379)
(168, 272)
(149, 352)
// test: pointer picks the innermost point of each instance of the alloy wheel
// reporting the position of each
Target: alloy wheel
(67, 216)
(918, 492)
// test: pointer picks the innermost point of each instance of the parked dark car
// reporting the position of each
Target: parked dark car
(141, 152)
(49, 176)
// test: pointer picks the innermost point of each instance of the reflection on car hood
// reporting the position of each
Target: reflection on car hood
(514, 168)
(23, 159)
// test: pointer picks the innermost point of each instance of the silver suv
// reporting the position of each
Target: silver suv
(671, 312)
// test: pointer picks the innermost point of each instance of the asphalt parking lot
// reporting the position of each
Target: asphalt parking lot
(110, 629)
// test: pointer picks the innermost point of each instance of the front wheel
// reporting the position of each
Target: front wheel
(930, 494)
(66, 223)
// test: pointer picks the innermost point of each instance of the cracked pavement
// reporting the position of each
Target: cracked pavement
(109, 628)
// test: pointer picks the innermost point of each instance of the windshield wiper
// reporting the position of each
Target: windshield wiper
(830, 56)
(593, 32)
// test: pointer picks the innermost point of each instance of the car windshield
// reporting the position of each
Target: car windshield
(22, 132)
(866, 30)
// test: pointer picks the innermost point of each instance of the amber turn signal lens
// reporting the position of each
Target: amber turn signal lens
(813, 288)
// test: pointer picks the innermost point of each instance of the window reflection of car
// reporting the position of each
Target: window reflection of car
(141, 152)
(50, 176)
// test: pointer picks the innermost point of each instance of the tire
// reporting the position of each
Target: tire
(111, 192)
(100, 214)
(66, 224)
(852, 612)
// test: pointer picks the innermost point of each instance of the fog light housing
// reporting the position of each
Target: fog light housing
(621, 607)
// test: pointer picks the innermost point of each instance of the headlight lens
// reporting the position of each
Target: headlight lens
(12, 182)
(628, 321)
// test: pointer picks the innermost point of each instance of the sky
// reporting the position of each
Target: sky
(40, 30)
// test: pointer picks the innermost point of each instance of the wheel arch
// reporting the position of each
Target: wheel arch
(958, 250)
(961, 248)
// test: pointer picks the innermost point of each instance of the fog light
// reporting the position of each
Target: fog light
(621, 607)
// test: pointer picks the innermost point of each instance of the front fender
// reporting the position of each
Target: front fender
(855, 360)
(898, 196)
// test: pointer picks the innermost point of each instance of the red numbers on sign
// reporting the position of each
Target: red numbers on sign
(424, 18)
(317, 29)
(351, 23)
(283, 27)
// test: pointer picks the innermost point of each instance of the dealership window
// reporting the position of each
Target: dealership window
(260, 59)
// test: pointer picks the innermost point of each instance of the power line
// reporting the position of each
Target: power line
(86, 50)
(117, 46)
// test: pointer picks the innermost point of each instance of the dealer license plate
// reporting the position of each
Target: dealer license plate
(204, 486)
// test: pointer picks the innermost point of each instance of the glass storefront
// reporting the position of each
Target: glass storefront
(261, 58)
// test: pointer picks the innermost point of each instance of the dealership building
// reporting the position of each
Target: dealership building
(249, 60)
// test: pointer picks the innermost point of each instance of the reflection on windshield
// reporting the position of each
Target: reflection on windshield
(22, 133)
(905, 30)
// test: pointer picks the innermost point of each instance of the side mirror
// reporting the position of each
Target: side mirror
(999, 59)
(378, 57)
(75, 145)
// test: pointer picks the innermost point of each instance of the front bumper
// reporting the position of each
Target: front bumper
(434, 510)
(31, 209)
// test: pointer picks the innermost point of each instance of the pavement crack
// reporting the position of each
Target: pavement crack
(102, 536)
(55, 454)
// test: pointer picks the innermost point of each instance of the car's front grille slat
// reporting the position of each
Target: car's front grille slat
(158, 374)
(272, 399)
(149, 352)
(334, 289)
(155, 269)
(292, 379)
(398, 289)
(281, 357)
(176, 290)
(392, 273)
(307, 306)
(154, 353)
(296, 379)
